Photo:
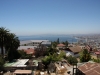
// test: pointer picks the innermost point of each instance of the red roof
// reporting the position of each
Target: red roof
(75, 49)
(60, 45)
(97, 52)
(29, 51)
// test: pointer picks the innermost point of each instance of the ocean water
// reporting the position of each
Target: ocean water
(70, 39)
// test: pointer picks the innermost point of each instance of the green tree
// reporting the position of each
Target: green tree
(51, 58)
(62, 55)
(11, 46)
(72, 60)
(54, 44)
(1, 62)
(51, 50)
(58, 41)
(10, 42)
(3, 38)
(65, 43)
(85, 56)
(96, 60)
(13, 42)
(23, 54)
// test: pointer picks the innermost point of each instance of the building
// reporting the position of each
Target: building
(26, 47)
(89, 69)
(46, 43)
(30, 51)
(97, 53)
(73, 51)
(61, 46)
(34, 42)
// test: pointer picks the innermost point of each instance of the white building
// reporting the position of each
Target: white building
(73, 51)
(26, 47)
(34, 42)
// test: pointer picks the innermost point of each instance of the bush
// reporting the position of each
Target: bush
(96, 60)
(72, 60)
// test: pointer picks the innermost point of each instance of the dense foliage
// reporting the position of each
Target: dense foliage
(51, 51)
(23, 55)
(65, 43)
(85, 56)
(52, 58)
(96, 60)
(72, 60)
(10, 42)
(3, 38)
(58, 41)
(54, 44)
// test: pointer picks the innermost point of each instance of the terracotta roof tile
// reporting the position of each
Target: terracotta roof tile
(60, 45)
(29, 51)
(75, 49)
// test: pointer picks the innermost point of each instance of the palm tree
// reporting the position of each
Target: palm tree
(13, 44)
(3, 38)
(13, 41)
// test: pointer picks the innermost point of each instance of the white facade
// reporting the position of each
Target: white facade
(68, 53)
(32, 42)
(26, 47)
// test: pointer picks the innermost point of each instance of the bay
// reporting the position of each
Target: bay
(62, 38)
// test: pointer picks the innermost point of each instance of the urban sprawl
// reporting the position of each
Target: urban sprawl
(45, 57)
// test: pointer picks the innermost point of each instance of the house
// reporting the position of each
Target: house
(73, 51)
(30, 51)
(97, 53)
(39, 50)
(33, 42)
(26, 47)
(89, 69)
(46, 43)
(61, 46)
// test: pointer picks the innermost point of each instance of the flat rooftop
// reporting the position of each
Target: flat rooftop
(18, 63)
(23, 72)
(26, 47)
(30, 41)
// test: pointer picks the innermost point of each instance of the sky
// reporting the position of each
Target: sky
(35, 17)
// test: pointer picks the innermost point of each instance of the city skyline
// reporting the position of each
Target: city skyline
(36, 17)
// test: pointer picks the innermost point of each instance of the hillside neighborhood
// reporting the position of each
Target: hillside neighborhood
(45, 57)
(49, 37)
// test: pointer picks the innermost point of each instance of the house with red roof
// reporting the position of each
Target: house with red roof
(97, 53)
(29, 51)
(61, 46)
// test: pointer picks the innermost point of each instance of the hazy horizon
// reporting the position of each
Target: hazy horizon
(58, 35)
